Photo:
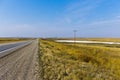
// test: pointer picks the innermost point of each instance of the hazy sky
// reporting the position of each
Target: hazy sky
(58, 18)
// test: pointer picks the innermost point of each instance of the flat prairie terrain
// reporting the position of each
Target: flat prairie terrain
(8, 40)
(63, 61)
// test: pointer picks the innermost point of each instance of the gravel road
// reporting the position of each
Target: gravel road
(20, 64)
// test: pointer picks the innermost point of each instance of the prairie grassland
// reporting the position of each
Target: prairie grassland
(78, 62)
(103, 39)
(8, 40)
(98, 44)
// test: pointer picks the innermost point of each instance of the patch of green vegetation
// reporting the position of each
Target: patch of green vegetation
(78, 62)
(97, 44)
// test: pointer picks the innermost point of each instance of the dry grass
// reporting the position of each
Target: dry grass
(80, 62)
(8, 40)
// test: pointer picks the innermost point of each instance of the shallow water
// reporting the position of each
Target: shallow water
(71, 41)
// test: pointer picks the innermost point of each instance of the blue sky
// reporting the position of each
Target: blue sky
(58, 18)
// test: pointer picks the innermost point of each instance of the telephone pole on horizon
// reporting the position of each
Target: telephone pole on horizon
(74, 36)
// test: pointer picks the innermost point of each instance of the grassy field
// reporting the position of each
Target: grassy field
(61, 61)
(8, 40)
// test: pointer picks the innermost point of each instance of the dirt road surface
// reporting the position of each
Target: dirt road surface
(20, 64)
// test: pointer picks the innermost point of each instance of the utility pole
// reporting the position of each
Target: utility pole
(74, 36)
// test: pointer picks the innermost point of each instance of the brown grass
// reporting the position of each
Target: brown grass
(80, 62)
